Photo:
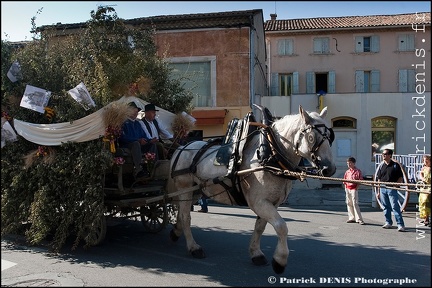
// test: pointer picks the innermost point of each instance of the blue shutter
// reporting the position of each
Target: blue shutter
(375, 81)
(317, 46)
(325, 45)
(359, 81)
(281, 47)
(310, 82)
(411, 76)
(295, 83)
(290, 47)
(274, 86)
(410, 42)
(331, 82)
(403, 83)
(375, 45)
(358, 44)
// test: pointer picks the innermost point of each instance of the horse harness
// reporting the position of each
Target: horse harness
(269, 151)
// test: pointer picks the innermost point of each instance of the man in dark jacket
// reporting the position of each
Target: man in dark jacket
(390, 171)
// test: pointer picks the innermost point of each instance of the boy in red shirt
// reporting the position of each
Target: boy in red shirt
(351, 192)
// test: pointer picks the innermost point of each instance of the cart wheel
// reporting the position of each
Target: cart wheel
(403, 195)
(154, 217)
(97, 236)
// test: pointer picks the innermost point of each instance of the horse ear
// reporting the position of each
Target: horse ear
(305, 115)
(323, 112)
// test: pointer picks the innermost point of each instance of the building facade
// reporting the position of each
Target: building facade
(371, 72)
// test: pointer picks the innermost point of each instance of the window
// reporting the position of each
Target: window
(344, 122)
(367, 81)
(406, 42)
(285, 47)
(367, 44)
(284, 84)
(383, 135)
(407, 80)
(198, 75)
(320, 81)
(321, 45)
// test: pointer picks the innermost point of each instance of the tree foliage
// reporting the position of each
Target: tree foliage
(62, 195)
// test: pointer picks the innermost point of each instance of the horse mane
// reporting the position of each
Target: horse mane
(281, 126)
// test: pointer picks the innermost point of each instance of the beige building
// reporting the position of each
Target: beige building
(372, 72)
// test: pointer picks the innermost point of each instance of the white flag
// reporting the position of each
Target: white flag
(35, 98)
(82, 96)
(14, 74)
(7, 133)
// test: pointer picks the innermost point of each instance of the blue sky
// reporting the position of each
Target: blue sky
(16, 16)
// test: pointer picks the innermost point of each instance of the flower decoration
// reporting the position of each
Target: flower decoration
(112, 133)
(133, 88)
(42, 151)
(119, 160)
(150, 159)
(5, 115)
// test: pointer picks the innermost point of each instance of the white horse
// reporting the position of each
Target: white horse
(269, 150)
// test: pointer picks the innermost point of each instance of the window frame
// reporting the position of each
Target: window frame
(201, 59)
(285, 84)
(374, 46)
(285, 47)
(352, 120)
(321, 45)
(407, 80)
(406, 42)
(367, 81)
(391, 130)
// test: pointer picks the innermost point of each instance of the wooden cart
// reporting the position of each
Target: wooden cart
(145, 198)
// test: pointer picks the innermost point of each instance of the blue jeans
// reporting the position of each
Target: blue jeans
(389, 199)
(203, 202)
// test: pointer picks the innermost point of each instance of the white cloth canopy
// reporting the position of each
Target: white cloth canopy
(85, 129)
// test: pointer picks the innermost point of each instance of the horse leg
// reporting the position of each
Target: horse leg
(257, 256)
(280, 256)
(183, 225)
(269, 214)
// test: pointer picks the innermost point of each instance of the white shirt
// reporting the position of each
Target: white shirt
(164, 133)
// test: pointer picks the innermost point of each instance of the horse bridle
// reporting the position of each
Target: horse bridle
(310, 136)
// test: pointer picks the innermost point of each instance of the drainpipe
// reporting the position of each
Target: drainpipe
(251, 64)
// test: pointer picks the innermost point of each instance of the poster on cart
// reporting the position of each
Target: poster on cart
(35, 98)
(82, 96)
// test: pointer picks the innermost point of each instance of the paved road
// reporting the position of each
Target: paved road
(324, 251)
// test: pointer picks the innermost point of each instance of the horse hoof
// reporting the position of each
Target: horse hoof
(277, 268)
(173, 236)
(199, 253)
(259, 260)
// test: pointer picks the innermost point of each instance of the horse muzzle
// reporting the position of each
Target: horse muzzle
(328, 171)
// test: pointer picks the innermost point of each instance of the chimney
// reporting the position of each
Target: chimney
(273, 16)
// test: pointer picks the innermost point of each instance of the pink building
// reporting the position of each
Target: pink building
(372, 72)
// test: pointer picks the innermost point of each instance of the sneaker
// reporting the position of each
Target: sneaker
(361, 223)
(350, 221)
(401, 229)
(202, 211)
(387, 226)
